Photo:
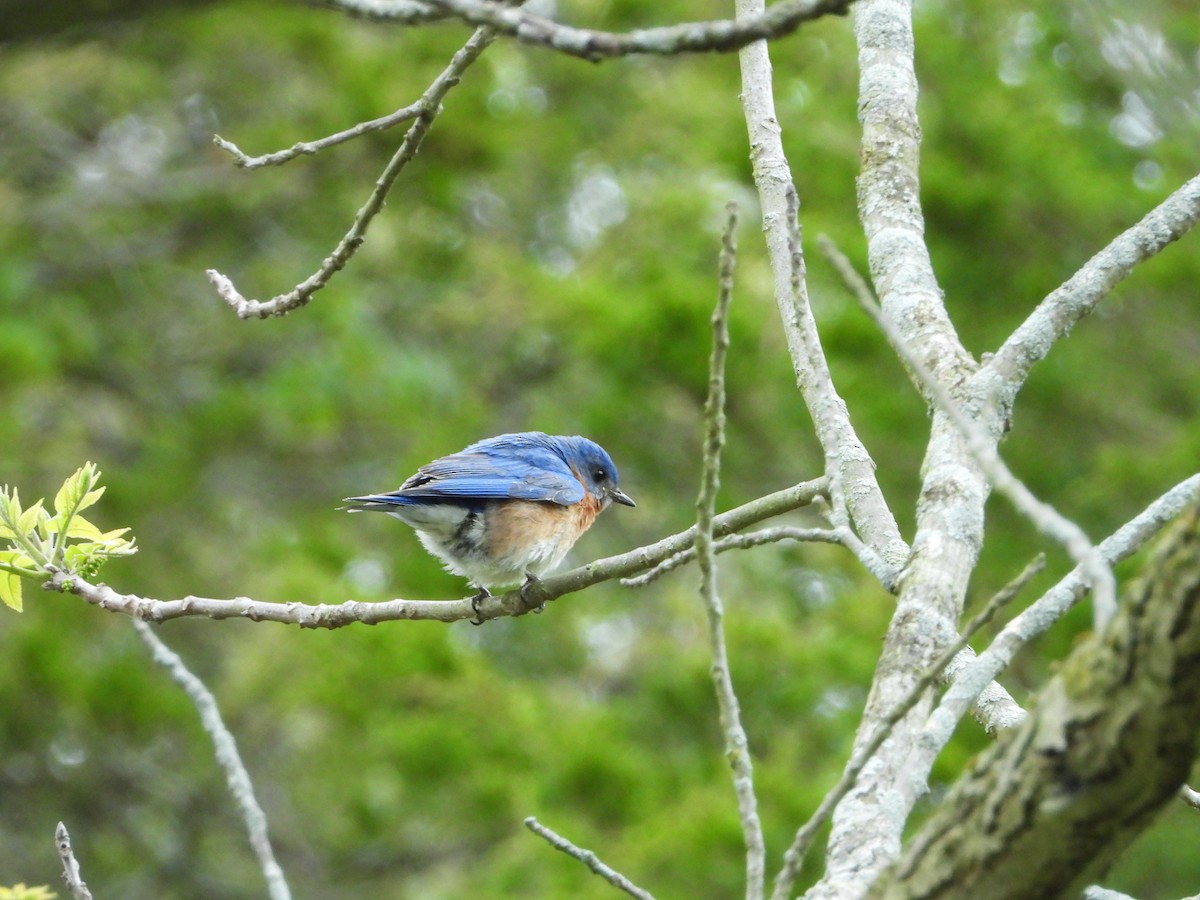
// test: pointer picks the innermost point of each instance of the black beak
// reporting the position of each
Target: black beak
(620, 496)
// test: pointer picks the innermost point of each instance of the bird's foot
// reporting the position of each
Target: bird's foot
(483, 594)
(532, 581)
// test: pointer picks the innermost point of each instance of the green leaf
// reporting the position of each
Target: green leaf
(79, 527)
(10, 590)
(10, 511)
(76, 492)
(28, 520)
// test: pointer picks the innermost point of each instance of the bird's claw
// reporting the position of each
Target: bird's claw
(531, 580)
(483, 594)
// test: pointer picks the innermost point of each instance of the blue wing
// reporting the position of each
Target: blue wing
(526, 466)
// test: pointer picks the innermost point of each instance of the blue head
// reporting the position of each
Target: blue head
(594, 467)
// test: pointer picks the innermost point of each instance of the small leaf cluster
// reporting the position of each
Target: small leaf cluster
(41, 543)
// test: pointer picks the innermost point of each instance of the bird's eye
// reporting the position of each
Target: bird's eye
(600, 475)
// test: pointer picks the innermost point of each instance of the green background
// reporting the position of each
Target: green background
(547, 262)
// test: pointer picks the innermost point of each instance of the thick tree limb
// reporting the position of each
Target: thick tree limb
(780, 19)
(868, 823)
(1112, 739)
(889, 202)
(981, 445)
(969, 680)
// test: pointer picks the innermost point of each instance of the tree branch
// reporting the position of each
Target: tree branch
(737, 746)
(75, 883)
(688, 37)
(982, 447)
(430, 104)
(228, 758)
(512, 603)
(401, 12)
(868, 823)
(1111, 740)
(309, 148)
(970, 680)
(889, 203)
(1078, 296)
(1190, 797)
(840, 535)
(846, 458)
(588, 858)
(793, 859)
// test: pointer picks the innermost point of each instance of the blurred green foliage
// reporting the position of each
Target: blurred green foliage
(548, 261)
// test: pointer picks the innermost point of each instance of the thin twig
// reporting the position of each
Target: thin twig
(793, 859)
(236, 776)
(737, 749)
(688, 37)
(840, 535)
(308, 148)
(737, 542)
(514, 603)
(588, 858)
(75, 884)
(995, 709)
(430, 103)
(1045, 517)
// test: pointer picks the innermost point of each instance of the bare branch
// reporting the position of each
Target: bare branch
(228, 758)
(1078, 296)
(994, 708)
(309, 148)
(75, 884)
(430, 103)
(889, 203)
(588, 858)
(513, 603)
(793, 859)
(1036, 619)
(1190, 797)
(737, 747)
(841, 535)
(981, 446)
(846, 457)
(401, 12)
(736, 542)
(1109, 743)
(1095, 892)
(688, 37)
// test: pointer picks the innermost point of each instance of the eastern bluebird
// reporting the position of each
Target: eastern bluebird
(506, 508)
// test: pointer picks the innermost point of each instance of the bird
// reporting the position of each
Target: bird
(506, 509)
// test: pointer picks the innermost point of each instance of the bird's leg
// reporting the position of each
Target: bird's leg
(531, 580)
(483, 594)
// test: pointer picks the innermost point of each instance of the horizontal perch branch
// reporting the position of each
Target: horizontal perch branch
(513, 603)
